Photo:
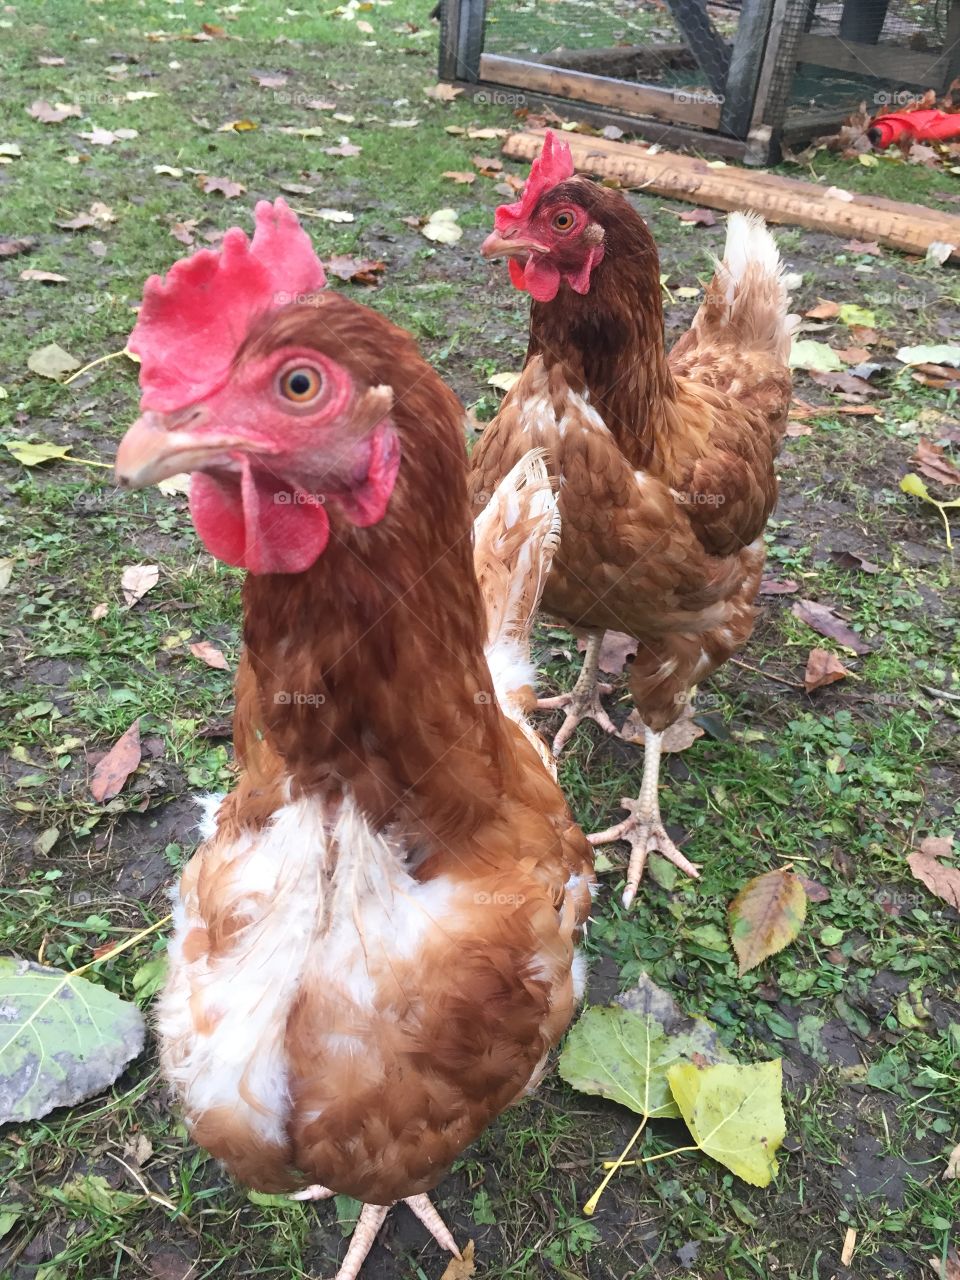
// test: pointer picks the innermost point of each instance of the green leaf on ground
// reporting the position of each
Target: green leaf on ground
(62, 1039)
(807, 354)
(734, 1114)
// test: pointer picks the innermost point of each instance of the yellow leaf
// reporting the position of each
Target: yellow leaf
(734, 1114)
(765, 916)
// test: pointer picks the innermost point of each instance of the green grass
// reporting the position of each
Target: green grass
(842, 784)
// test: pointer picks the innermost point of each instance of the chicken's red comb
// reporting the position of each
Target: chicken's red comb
(193, 320)
(554, 164)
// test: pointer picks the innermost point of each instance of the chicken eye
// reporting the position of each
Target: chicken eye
(564, 221)
(300, 385)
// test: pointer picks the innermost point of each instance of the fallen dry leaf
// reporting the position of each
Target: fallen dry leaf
(616, 650)
(824, 310)
(442, 227)
(183, 231)
(778, 586)
(221, 186)
(698, 217)
(137, 579)
(941, 879)
(344, 148)
(488, 165)
(853, 355)
(346, 267)
(270, 81)
(238, 126)
(48, 61)
(443, 92)
(953, 1164)
(42, 277)
(11, 248)
(828, 623)
(107, 137)
(851, 560)
(99, 611)
(823, 668)
(459, 176)
(931, 460)
(461, 1268)
(765, 916)
(210, 654)
(680, 735)
(117, 765)
(47, 114)
(862, 246)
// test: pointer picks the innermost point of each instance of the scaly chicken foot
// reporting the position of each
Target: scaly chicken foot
(643, 830)
(372, 1218)
(583, 700)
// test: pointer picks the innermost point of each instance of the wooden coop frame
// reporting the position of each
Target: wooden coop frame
(743, 115)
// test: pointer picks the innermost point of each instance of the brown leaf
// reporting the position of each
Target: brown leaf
(851, 560)
(320, 104)
(953, 1164)
(221, 186)
(275, 80)
(766, 916)
(616, 650)
(461, 1268)
(823, 310)
(211, 29)
(443, 92)
(344, 148)
(940, 878)
(463, 178)
(796, 429)
(183, 231)
(137, 579)
(680, 735)
(814, 890)
(935, 465)
(822, 668)
(488, 165)
(210, 654)
(51, 61)
(78, 223)
(935, 375)
(10, 248)
(866, 336)
(698, 217)
(853, 355)
(828, 623)
(346, 267)
(778, 586)
(116, 766)
(107, 137)
(862, 246)
(42, 277)
(842, 382)
(47, 114)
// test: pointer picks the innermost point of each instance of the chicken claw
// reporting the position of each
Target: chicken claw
(583, 700)
(643, 830)
(372, 1218)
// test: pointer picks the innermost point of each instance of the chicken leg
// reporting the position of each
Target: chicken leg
(371, 1219)
(583, 700)
(643, 830)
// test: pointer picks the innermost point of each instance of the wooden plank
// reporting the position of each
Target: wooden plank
(911, 228)
(709, 49)
(671, 105)
(461, 39)
(746, 62)
(699, 141)
(886, 62)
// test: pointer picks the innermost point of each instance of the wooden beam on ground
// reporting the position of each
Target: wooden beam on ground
(908, 227)
(670, 105)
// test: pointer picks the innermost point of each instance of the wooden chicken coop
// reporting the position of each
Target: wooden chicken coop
(731, 77)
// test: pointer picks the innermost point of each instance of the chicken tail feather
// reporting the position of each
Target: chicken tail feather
(515, 538)
(747, 301)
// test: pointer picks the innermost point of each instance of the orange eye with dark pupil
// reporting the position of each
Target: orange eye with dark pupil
(300, 385)
(563, 221)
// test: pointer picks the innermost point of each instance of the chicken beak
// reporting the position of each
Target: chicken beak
(510, 246)
(160, 445)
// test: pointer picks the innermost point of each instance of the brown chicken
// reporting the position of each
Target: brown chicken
(666, 462)
(374, 948)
